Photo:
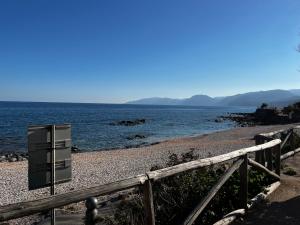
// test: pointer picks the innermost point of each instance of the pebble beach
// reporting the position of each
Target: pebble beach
(100, 167)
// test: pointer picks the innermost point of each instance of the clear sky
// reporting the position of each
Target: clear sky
(119, 50)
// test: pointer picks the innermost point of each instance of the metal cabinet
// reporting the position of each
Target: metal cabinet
(43, 141)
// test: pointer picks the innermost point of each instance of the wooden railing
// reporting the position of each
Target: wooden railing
(267, 158)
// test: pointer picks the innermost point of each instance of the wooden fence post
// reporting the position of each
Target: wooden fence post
(148, 202)
(293, 145)
(269, 158)
(260, 155)
(257, 155)
(277, 150)
(244, 182)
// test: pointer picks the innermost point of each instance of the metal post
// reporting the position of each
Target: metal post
(91, 211)
(53, 170)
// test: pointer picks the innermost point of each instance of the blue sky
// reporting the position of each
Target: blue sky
(114, 51)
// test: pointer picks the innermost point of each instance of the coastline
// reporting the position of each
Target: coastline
(16, 156)
(99, 167)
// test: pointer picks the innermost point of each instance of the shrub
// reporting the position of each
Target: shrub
(175, 197)
(289, 171)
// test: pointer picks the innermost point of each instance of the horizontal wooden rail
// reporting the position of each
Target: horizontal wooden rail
(272, 134)
(169, 171)
(289, 154)
(18, 210)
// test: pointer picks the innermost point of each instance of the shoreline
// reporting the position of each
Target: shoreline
(23, 155)
(100, 167)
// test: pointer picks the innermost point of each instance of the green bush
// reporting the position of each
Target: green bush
(289, 171)
(292, 144)
(175, 197)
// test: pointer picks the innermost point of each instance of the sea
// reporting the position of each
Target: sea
(92, 127)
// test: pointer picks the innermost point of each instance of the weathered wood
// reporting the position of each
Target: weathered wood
(263, 195)
(31, 207)
(277, 151)
(231, 217)
(269, 158)
(244, 182)
(272, 134)
(263, 169)
(258, 141)
(260, 155)
(199, 208)
(148, 202)
(169, 171)
(289, 154)
(290, 134)
(28, 208)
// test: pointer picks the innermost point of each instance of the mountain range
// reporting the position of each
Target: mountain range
(271, 97)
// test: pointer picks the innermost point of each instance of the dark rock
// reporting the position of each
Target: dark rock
(24, 155)
(129, 122)
(12, 159)
(219, 120)
(75, 149)
(137, 145)
(155, 143)
(137, 136)
(265, 116)
(19, 158)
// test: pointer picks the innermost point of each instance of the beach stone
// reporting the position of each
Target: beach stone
(20, 158)
(12, 159)
(75, 149)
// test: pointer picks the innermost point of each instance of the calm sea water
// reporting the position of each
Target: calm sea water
(91, 129)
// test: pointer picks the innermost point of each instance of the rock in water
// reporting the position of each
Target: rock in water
(129, 122)
(137, 136)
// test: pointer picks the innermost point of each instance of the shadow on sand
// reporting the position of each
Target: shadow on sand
(275, 213)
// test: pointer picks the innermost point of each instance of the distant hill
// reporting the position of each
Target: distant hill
(295, 91)
(156, 101)
(199, 100)
(272, 97)
(285, 102)
(196, 100)
(257, 98)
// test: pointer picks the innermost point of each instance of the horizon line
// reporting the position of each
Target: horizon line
(120, 103)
